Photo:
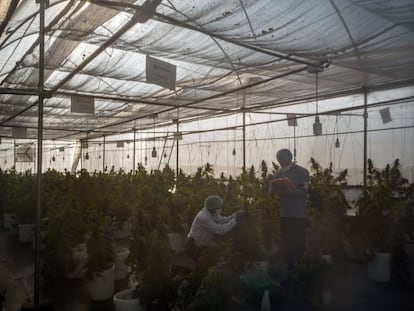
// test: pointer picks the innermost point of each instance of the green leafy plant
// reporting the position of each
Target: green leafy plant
(381, 206)
(101, 254)
(327, 206)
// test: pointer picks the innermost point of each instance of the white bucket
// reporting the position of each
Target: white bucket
(379, 269)
(102, 287)
(121, 268)
(25, 232)
(123, 301)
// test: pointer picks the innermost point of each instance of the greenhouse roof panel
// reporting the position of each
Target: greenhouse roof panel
(228, 54)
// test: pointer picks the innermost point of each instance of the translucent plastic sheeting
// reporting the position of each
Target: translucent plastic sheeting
(220, 48)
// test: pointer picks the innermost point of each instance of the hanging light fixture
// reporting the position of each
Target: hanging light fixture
(337, 143)
(87, 156)
(53, 158)
(154, 151)
(234, 151)
(317, 126)
(146, 160)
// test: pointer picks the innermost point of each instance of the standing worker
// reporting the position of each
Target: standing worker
(291, 184)
(209, 222)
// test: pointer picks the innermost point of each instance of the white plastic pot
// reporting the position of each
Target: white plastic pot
(102, 287)
(121, 268)
(379, 269)
(25, 232)
(123, 301)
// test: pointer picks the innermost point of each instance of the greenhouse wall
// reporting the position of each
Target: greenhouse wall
(219, 141)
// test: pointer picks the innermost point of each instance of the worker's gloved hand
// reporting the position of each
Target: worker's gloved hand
(240, 215)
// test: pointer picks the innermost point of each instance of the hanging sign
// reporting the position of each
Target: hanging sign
(19, 132)
(82, 104)
(291, 118)
(120, 144)
(161, 73)
(385, 115)
(178, 136)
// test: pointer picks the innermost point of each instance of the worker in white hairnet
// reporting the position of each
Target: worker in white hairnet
(208, 223)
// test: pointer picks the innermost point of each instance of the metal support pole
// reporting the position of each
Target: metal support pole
(365, 138)
(39, 151)
(177, 154)
(133, 154)
(103, 155)
(14, 153)
(244, 130)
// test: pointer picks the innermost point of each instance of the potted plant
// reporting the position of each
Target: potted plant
(7, 189)
(65, 251)
(100, 267)
(150, 255)
(380, 207)
(327, 208)
(25, 205)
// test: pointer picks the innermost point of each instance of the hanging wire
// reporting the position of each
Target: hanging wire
(316, 92)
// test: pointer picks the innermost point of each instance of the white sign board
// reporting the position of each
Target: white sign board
(19, 132)
(82, 104)
(161, 73)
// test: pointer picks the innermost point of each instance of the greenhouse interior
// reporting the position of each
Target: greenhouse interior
(206, 155)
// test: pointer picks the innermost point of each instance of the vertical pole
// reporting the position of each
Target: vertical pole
(14, 153)
(244, 131)
(177, 154)
(103, 155)
(39, 151)
(133, 154)
(365, 137)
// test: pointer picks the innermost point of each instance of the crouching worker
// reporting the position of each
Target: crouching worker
(209, 222)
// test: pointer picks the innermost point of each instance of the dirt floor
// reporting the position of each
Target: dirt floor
(350, 287)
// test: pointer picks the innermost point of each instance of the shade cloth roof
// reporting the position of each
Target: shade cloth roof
(228, 54)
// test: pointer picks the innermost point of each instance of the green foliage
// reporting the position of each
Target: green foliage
(381, 206)
(101, 254)
(327, 206)
(215, 290)
(155, 282)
